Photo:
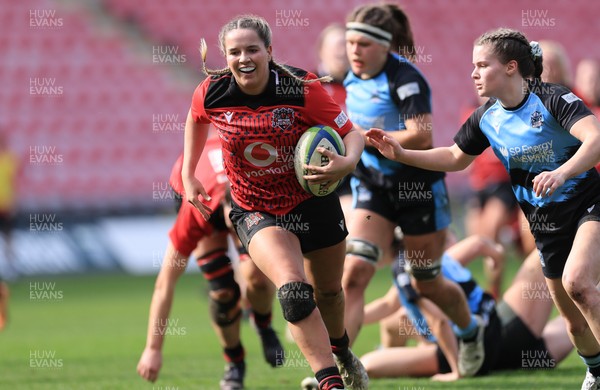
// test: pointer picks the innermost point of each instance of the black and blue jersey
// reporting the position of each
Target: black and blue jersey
(399, 92)
(532, 138)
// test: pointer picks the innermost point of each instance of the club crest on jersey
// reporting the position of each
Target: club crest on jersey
(253, 219)
(537, 119)
(282, 118)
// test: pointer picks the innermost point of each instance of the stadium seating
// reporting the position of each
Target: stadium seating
(95, 125)
(102, 123)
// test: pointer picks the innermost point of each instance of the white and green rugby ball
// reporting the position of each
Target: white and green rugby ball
(306, 153)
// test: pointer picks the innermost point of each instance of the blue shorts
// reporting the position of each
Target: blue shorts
(417, 207)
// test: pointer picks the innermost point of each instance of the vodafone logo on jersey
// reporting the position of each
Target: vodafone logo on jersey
(268, 160)
(260, 154)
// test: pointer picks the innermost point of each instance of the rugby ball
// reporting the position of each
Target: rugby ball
(306, 153)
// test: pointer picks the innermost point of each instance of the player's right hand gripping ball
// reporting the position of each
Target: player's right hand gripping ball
(306, 154)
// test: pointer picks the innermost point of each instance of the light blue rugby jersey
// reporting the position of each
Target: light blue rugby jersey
(529, 139)
(385, 101)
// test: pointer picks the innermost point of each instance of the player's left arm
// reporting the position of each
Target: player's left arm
(418, 133)
(412, 96)
(587, 130)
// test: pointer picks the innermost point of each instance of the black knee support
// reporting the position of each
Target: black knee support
(217, 270)
(297, 300)
(219, 311)
(216, 267)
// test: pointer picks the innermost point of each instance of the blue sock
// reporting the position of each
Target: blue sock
(467, 334)
(592, 363)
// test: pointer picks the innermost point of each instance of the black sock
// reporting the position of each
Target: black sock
(262, 321)
(340, 346)
(235, 354)
(329, 377)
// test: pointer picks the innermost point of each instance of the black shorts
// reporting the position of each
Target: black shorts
(502, 191)
(490, 344)
(7, 222)
(519, 348)
(318, 222)
(554, 248)
(417, 207)
(217, 220)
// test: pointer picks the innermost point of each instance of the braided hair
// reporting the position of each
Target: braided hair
(508, 44)
(262, 29)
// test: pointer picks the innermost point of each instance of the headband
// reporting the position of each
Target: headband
(374, 33)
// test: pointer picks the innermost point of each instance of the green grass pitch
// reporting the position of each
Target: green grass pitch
(88, 332)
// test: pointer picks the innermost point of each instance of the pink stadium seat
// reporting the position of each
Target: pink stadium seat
(103, 121)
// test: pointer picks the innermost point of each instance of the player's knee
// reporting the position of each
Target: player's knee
(579, 290)
(358, 273)
(329, 298)
(356, 278)
(224, 291)
(297, 301)
(225, 306)
(223, 295)
(363, 250)
(578, 294)
(257, 281)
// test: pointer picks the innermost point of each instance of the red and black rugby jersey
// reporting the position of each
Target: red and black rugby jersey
(259, 133)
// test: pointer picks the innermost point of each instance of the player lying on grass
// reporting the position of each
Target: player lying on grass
(210, 237)
(525, 339)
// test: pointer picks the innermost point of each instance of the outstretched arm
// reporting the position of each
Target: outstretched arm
(173, 266)
(381, 307)
(444, 159)
(472, 247)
